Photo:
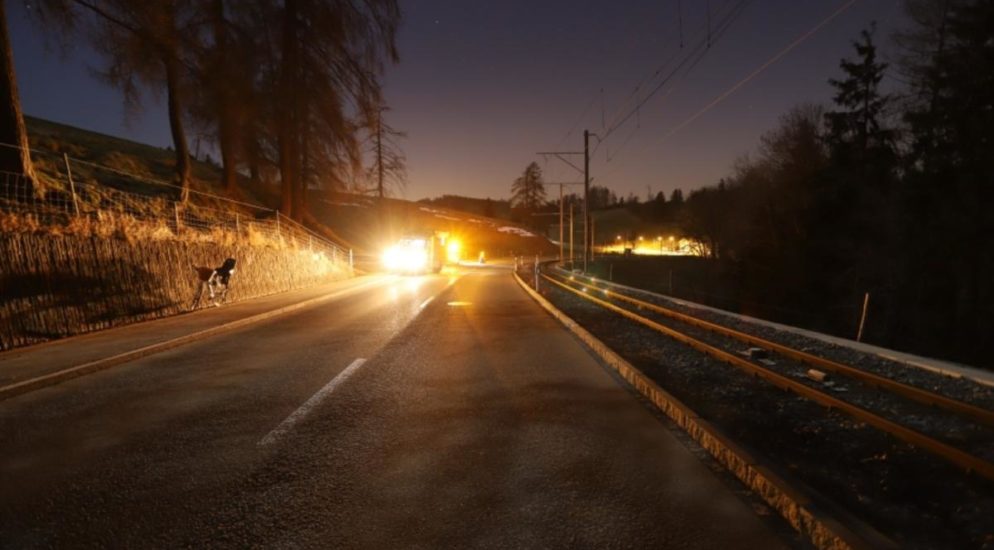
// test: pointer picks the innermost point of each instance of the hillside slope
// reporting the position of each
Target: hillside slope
(362, 223)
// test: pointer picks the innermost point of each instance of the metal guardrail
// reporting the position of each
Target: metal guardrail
(925, 397)
(956, 456)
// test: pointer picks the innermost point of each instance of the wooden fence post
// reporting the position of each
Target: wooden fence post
(862, 317)
(72, 184)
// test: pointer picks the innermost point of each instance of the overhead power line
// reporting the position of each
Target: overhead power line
(693, 57)
(625, 105)
(735, 87)
(721, 97)
(578, 121)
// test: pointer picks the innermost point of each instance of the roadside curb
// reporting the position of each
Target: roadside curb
(32, 384)
(792, 502)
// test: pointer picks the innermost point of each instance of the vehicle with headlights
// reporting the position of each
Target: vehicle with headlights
(415, 254)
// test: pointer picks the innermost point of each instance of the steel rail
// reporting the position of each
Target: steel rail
(926, 397)
(960, 458)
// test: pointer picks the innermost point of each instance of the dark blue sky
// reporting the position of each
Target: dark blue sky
(483, 85)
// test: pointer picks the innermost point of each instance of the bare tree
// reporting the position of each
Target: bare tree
(331, 53)
(16, 159)
(224, 54)
(143, 44)
(305, 73)
(389, 166)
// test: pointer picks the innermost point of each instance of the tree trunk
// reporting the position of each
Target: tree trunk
(379, 150)
(228, 143)
(287, 122)
(300, 192)
(227, 116)
(302, 135)
(175, 104)
(12, 130)
(300, 205)
(253, 157)
(254, 176)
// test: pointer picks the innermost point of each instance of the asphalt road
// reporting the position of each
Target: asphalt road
(424, 412)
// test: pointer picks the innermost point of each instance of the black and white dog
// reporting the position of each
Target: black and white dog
(215, 281)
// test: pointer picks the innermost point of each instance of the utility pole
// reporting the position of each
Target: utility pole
(560, 223)
(562, 213)
(586, 197)
(571, 236)
(561, 155)
(593, 238)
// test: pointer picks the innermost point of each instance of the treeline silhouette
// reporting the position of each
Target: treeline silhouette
(886, 194)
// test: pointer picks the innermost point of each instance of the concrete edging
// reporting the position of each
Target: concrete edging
(32, 384)
(790, 501)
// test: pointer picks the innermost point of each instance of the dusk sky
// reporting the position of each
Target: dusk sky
(482, 86)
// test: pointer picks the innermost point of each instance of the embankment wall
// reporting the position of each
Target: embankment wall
(55, 286)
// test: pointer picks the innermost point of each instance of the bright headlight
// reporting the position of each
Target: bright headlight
(392, 258)
(406, 257)
(452, 251)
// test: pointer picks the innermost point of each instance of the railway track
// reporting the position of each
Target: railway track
(953, 430)
(907, 451)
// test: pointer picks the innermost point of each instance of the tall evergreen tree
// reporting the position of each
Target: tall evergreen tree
(528, 191)
(950, 184)
(852, 214)
(855, 130)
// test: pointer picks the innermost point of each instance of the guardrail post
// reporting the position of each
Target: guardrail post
(176, 214)
(536, 271)
(278, 223)
(238, 228)
(72, 184)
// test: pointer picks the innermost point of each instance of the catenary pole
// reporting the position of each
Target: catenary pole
(586, 197)
(560, 223)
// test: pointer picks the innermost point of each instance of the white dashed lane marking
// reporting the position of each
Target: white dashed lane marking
(300, 413)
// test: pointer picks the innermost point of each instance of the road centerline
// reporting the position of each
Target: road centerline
(315, 399)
